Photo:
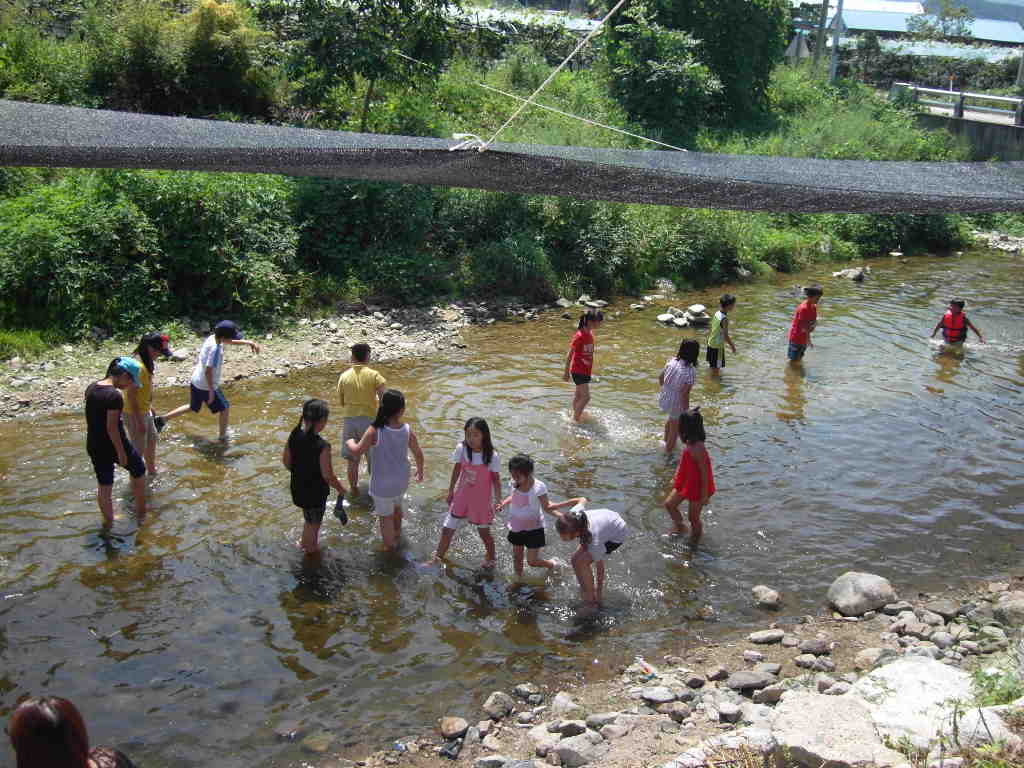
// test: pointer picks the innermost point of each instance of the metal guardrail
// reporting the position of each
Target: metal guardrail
(957, 101)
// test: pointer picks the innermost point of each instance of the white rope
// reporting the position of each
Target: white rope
(551, 77)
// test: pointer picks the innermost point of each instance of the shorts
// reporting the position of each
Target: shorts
(716, 357)
(609, 546)
(530, 539)
(200, 396)
(454, 523)
(796, 351)
(354, 427)
(314, 515)
(103, 465)
(580, 378)
(148, 435)
(384, 506)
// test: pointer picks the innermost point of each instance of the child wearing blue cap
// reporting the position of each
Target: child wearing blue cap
(205, 386)
(106, 440)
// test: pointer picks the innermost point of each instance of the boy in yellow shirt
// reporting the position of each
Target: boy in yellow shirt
(359, 390)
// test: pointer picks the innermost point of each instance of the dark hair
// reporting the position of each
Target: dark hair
(115, 369)
(488, 447)
(313, 410)
(958, 302)
(49, 732)
(391, 403)
(520, 463)
(689, 351)
(361, 351)
(571, 522)
(691, 426)
(149, 341)
(811, 291)
(727, 300)
(590, 316)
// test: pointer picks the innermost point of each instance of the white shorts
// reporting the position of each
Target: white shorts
(454, 523)
(384, 506)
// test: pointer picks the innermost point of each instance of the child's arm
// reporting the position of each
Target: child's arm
(414, 446)
(568, 362)
(341, 393)
(976, 331)
(936, 328)
(726, 336)
(113, 417)
(550, 508)
(503, 503)
(456, 471)
(369, 438)
(496, 485)
(684, 396)
(286, 457)
(210, 389)
(246, 343)
(701, 457)
(661, 378)
(327, 471)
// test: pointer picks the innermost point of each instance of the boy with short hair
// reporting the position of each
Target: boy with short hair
(954, 324)
(359, 391)
(805, 319)
(205, 384)
(718, 337)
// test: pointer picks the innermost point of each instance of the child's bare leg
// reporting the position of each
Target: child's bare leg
(488, 540)
(581, 561)
(672, 502)
(696, 527)
(150, 456)
(671, 433)
(398, 521)
(387, 532)
(176, 412)
(447, 534)
(580, 400)
(353, 475)
(599, 567)
(138, 485)
(104, 498)
(310, 541)
(517, 558)
(223, 418)
(534, 560)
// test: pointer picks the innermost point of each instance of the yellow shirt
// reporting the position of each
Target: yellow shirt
(140, 399)
(357, 391)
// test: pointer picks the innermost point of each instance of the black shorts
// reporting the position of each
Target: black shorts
(314, 515)
(530, 539)
(716, 357)
(580, 378)
(611, 546)
(103, 465)
(795, 351)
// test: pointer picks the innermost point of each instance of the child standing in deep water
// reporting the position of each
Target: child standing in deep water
(579, 362)
(600, 532)
(476, 473)
(307, 456)
(389, 441)
(676, 381)
(526, 504)
(694, 481)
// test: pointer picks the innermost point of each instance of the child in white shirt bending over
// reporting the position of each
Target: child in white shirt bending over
(525, 519)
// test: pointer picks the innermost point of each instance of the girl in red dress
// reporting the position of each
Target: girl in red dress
(694, 481)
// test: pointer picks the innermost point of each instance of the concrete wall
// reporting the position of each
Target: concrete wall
(988, 140)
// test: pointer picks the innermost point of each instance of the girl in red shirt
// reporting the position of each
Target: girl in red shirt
(579, 363)
(694, 480)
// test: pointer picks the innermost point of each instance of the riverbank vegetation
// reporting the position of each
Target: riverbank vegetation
(120, 250)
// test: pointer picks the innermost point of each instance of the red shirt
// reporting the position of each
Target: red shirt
(582, 352)
(804, 318)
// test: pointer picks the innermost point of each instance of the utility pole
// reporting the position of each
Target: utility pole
(837, 25)
(819, 43)
(1020, 70)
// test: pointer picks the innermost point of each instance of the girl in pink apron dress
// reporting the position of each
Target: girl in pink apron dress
(474, 490)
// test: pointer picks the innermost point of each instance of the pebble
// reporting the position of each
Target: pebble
(753, 656)
(694, 681)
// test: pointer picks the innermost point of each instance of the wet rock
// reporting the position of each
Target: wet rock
(728, 712)
(753, 656)
(857, 274)
(766, 597)
(717, 673)
(855, 593)
(658, 694)
(746, 680)
(498, 705)
(817, 646)
(766, 636)
(581, 750)
(453, 727)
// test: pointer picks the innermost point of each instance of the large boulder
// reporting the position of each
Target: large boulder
(499, 705)
(1010, 609)
(909, 699)
(580, 750)
(750, 680)
(855, 593)
(813, 730)
(564, 706)
(543, 740)
(979, 727)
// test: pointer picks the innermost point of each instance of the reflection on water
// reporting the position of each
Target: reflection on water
(190, 636)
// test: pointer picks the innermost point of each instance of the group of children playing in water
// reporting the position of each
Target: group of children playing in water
(373, 426)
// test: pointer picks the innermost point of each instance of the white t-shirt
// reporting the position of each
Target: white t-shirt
(211, 355)
(605, 526)
(524, 512)
(459, 455)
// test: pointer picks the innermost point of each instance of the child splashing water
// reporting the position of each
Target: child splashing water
(694, 480)
(525, 519)
(307, 456)
(600, 532)
(579, 362)
(476, 472)
(389, 441)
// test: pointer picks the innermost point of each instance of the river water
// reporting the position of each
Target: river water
(189, 639)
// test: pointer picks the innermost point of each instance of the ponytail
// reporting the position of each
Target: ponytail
(590, 316)
(691, 426)
(575, 521)
(391, 403)
(313, 410)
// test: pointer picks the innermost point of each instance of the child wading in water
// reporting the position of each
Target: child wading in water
(141, 424)
(389, 441)
(954, 324)
(694, 480)
(308, 457)
(676, 381)
(579, 362)
(719, 336)
(526, 505)
(601, 532)
(805, 320)
(476, 473)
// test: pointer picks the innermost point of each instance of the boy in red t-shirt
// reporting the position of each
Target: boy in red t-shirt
(804, 321)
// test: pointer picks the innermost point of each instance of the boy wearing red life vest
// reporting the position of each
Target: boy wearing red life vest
(954, 324)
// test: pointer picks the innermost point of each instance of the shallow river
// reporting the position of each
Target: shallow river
(189, 639)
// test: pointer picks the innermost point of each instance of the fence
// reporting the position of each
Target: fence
(958, 101)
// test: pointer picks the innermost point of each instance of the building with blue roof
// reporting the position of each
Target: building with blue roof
(890, 24)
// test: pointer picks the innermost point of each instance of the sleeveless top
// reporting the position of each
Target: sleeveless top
(390, 456)
(309, 489)
(715, 336)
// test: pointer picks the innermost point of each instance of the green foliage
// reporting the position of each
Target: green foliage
(34, 67)
(949, 19)
(1009, 223)
(996, 685)
(869, 63)
(27, 343)
(513, 266)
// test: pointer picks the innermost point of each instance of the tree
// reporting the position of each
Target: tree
(950, 19)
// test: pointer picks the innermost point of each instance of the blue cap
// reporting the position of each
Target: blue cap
(226, 327)
(132, 368)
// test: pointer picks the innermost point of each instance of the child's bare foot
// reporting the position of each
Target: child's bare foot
(677, 531)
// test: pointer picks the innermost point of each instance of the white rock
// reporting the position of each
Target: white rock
(658, 694)
(855, 593)
(666, 317)
(978, 727)
(696, 309)
(563, 705)
(766, 597)
(766, 636)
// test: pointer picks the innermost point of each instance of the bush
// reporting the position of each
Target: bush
(514, 266)
(41, 69)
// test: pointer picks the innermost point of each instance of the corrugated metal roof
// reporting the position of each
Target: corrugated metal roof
(990, 54)
(997, 31)
(991, 30)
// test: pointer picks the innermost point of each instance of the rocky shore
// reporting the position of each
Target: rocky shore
(875, 681)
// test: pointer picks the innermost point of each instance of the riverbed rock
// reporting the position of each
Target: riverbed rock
(812, 730)
(543, 739)
(581, 750)
(768, 667)
(908, 698)
(693, 680)
(613, 731)
(753, 656)
(855, 593)
(317, 743)
(680, 322)
(572, 727)
(453, 727)
(766, 636)
(491, 761)
(945, 607)
(978, 727)
(870, 657)
(857, 274)
(817, 646)
(677, 710)
(748, 680)
(526, 690)
(666, 317)
(717, 672)
(766, 597)
(598, 720)
(564, 706)
(729, 712)
(498, 705)
(658, 694)
(769, 695)
(1009, 609)
(563, 302)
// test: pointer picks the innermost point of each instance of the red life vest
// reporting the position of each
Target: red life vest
(954, 327)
